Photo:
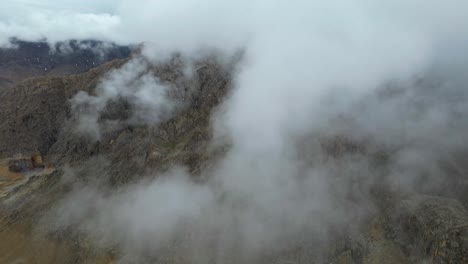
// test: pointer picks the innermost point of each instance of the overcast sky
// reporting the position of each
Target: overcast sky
(57, 20)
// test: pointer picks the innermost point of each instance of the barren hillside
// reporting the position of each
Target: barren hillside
(40, 114)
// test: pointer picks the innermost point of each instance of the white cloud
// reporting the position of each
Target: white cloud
(56, 20)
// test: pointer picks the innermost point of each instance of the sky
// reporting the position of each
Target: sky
(57, 20)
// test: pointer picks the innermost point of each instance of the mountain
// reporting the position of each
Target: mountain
(38, 114)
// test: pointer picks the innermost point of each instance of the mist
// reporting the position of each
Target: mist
(128, 86)
(383, 74)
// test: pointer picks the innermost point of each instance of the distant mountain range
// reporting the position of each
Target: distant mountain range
(25, 59)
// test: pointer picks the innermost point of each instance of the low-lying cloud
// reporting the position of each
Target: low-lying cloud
(137, 95)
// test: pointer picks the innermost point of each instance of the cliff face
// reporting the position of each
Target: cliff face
(134, 149)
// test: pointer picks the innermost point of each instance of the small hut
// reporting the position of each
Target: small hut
(36, 160)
